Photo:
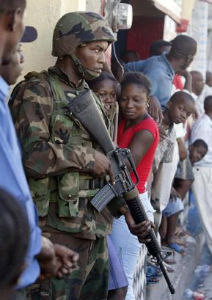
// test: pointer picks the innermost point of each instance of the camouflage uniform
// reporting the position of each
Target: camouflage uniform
(57, 153)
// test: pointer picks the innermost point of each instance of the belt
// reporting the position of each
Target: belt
(91, 184)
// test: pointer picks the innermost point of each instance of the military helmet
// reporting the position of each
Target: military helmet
(77, 28)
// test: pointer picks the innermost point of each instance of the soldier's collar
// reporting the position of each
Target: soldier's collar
(63, 77)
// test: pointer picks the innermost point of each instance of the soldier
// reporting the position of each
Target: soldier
(64, 166)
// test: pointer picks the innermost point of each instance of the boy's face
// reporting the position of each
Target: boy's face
(196, 153)
(197, 83)
(180, 110)
(12, 71)
(106, 91)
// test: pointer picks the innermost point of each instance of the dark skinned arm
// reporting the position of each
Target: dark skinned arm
(139, 146)
(182, 149)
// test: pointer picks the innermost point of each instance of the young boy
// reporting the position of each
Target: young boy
(179, 108)
(197, 151)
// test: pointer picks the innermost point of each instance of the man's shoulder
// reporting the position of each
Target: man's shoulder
(33, 83)
(146, 65)
(201, 120)
(199, 124)
(36, 79)
(154, 66)
(207, 91)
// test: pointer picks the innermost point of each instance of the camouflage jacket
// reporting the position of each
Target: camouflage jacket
(55, 148)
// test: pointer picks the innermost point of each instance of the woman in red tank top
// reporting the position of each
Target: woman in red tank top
(138, 132)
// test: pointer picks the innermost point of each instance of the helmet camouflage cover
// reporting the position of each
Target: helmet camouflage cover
(77, 28)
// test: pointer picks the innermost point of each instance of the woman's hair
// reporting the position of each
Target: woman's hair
(104, 76)
(14, 239)
(137, 78)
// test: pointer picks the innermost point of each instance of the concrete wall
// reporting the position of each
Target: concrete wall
(209, 56)
(43, 14)
(199, 31)
(94, 5)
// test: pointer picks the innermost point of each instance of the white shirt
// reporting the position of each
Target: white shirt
(199, 100)
(180, 130)
(202, 129)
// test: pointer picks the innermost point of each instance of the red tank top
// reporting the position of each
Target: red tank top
(124, 139)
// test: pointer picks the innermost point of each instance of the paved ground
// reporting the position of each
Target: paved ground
(207, 288)
(182, 276)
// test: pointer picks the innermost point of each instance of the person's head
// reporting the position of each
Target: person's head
(208, 105)
(105, 86)
(180, 106)
(83, 37)
(158, 47)
(14, 239)
(135, 92)
(197, 150)
(130, 55)
(12, 71)
(11, 27)
(209, 78)
(182, 52)
(197, 82)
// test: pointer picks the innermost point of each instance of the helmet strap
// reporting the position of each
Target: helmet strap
(86, 73)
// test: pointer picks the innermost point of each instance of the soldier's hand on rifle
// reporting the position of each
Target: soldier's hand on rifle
(101, 166)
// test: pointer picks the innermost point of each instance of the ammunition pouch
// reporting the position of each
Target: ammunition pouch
(91, 184)
(71, 188)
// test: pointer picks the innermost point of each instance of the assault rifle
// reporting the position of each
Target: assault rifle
(84, 109)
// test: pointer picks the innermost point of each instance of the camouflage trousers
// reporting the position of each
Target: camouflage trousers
(88, 282)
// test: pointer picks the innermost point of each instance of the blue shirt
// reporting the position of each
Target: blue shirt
(160, 73)
(13, 180)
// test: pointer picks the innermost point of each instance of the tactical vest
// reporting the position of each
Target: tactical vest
(67, 188)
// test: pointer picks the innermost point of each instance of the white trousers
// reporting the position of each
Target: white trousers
(162, 184)
(202, 190)
(128, 247)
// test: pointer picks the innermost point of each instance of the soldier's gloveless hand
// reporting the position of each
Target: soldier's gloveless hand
(101, 165)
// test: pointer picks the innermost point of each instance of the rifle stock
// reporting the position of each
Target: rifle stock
(85, 109)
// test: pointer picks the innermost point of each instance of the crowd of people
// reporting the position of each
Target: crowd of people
(52, 167)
